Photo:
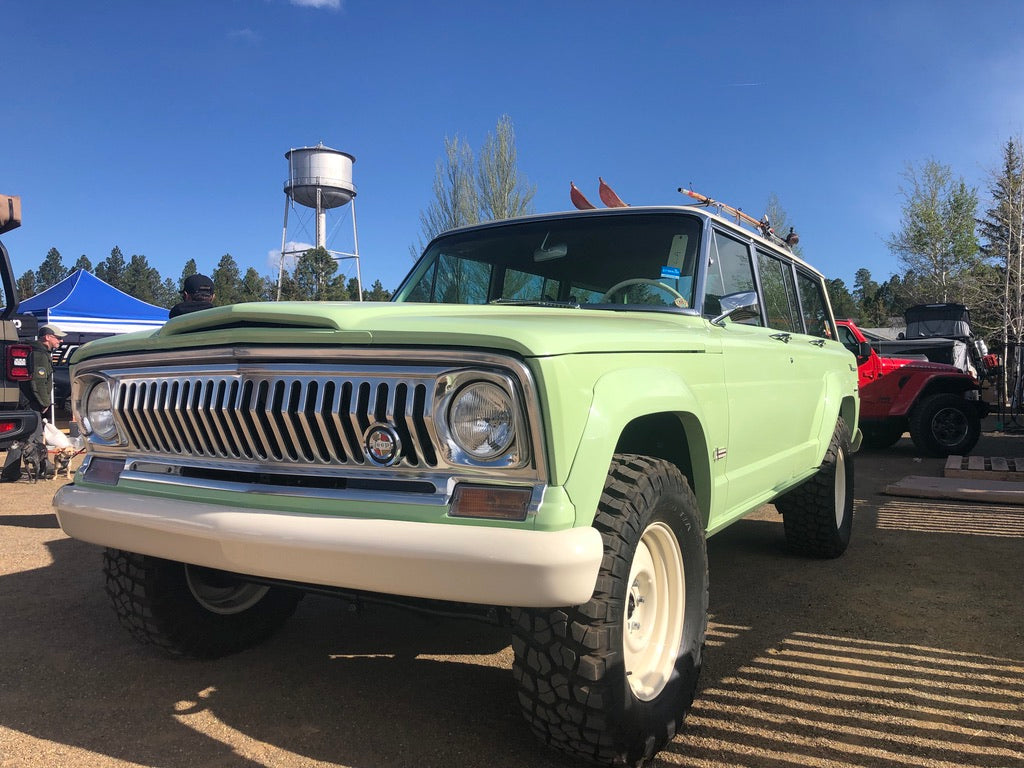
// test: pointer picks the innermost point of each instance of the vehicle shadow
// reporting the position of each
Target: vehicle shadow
(904, 651)
(382, 687)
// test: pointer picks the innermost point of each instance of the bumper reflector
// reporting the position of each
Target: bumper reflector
(104, 471)
(490, 502)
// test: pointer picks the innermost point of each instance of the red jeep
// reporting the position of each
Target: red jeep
(939, 404)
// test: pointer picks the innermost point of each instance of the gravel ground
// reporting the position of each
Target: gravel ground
(907, 651)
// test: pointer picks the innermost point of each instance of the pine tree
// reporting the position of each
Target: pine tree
(315, 279)
(51, 271)
(111, 269)
(254, 287)
(83, 263)
(189, 269)
(167, 295)
(26, 285)
(141, 280)
(376, 293)
(226, 281)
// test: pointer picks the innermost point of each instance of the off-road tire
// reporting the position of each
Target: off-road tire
(880, 436)
(818, 515)
(571, 663)
(944, 424)
(155, 602)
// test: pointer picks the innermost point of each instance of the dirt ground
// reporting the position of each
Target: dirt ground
(907, 651)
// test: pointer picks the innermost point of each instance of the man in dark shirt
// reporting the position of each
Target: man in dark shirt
(196, 293)
(37, 392)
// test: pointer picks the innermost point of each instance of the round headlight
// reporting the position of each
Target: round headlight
(99, 412)
(482, 420)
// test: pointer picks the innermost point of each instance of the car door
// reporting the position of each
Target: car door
(759, 377)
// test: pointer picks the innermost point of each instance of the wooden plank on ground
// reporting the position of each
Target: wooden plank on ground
(959, 489)
(974, 467)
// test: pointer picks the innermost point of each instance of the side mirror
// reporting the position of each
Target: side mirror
(738, 306)
(864, 349)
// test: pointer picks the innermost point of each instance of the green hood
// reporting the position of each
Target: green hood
(527, 331)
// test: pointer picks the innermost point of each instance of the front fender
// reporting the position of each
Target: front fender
(623, 395)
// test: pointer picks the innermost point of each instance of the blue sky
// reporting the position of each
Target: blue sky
(161, 127)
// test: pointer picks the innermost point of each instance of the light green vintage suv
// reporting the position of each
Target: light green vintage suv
(551, 417)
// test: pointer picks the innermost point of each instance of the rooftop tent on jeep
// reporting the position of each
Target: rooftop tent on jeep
(938, 320)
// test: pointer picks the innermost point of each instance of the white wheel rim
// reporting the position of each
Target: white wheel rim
(225, 596)
(654, 612)
(840, 487)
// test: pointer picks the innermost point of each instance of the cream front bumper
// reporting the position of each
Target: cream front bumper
(462, 563)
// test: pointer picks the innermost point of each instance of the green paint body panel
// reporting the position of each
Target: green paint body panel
(746, 413)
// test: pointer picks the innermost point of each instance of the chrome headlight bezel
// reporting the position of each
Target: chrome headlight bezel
(96, 411)
(456, 402)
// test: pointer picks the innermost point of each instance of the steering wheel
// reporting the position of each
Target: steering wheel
(641, 281)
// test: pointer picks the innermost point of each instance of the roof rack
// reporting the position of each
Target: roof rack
(762, 227)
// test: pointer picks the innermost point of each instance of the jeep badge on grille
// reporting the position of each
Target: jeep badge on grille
(382, 445)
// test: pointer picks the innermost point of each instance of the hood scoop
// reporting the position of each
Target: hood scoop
(248, 317)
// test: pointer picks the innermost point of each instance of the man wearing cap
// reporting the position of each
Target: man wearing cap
(37, 392)
(196, 293)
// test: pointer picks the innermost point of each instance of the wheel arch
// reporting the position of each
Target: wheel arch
(848, 411)
(663, 419)
(911, 395)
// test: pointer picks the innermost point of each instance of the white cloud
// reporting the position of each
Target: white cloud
(245, 35)
(334, 5)
(293, 249)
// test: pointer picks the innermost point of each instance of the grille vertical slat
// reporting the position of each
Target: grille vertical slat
(170, 413)
(251, 414)
(317, 419)
(151, 410)
(139, 401)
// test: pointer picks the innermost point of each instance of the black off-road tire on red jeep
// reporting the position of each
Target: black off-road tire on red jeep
(818, 515)
(612, 680)
(191, 611)
(944, 424)
(884, 435)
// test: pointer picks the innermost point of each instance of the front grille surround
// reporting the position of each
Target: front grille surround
(243, 407)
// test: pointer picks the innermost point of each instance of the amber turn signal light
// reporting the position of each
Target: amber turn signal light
(490, 502)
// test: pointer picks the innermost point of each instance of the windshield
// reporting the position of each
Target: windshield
(643, 259)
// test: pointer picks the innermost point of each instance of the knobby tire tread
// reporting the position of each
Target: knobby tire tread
(808, 511)
(566, 659)
(153, 602)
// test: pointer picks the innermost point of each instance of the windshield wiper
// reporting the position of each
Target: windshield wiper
(536, 303)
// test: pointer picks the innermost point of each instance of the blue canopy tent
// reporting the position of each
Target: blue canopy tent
(85, 308)
(82, 303)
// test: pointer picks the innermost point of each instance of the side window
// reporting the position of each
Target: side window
(780, 302)
(729, 271)
(848, 340)
(817, 318)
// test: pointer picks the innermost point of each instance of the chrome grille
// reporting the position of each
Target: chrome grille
(294, 419)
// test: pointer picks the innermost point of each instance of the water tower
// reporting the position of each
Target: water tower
(320, 178)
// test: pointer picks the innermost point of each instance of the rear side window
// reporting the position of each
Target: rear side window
(781, 305)
(729, 271)
(814, 306)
